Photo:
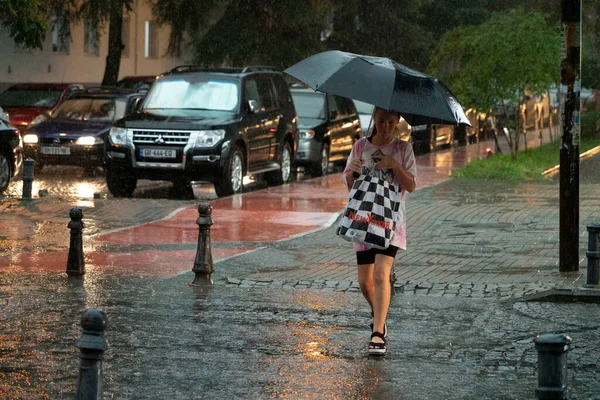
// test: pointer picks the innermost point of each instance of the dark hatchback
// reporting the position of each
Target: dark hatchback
(329, 126)
(75, 132)
(11, 151)
(26, 101)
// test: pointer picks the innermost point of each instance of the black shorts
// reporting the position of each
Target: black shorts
(368, 256)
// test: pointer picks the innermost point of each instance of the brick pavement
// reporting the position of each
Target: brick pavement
(484, 239)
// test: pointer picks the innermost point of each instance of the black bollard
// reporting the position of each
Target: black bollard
(92, 345)
(75, 261)
(28, 168)
(203, 265)
(552, 365)
(593, 255)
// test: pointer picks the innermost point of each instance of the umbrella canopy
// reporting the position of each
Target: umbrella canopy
(419, 98)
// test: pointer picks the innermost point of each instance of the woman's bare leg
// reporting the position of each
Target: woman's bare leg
(365, 280)
(382, 287)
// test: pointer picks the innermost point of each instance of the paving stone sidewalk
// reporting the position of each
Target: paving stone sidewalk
(466, 238)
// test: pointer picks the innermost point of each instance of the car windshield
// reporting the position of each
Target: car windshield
(14, 97)
(309, 105)
(91, 109)
(364, 108)
(193, 93)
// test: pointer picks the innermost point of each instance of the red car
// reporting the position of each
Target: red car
(25, 101)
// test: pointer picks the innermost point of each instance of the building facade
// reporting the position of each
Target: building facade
(80, 60)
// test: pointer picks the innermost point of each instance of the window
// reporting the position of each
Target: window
(151, 40)
(125, 37)
(309, 105)
(251, 92)
(194, 94)
(91, 39)
(265, 90)
(334, 113)
(60, 35)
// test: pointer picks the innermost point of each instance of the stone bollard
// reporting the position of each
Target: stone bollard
(28, 168)
(593, 256)
(75, 261)
(552, 365)
(203, 264)
(92, 346)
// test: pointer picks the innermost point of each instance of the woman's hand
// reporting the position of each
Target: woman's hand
(387, 162)
(356, 165)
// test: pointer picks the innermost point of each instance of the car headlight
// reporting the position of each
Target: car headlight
(209, 138)
(118, 135)
(30, 138)
(89, 141)
(307, 134)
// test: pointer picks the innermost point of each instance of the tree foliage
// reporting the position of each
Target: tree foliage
(385, 28)
(491, 64)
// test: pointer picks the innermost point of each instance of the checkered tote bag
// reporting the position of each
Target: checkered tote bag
(371, 213)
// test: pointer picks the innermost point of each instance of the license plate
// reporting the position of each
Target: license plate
(61, 151)
(158, 153)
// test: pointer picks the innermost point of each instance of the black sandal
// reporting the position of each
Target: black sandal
(376, 348)
(385, 331)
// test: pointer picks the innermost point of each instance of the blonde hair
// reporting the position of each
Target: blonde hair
(376, 110)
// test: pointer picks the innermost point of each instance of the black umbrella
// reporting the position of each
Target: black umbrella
(419, 98)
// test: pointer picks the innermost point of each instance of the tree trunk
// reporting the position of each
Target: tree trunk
(115, 47)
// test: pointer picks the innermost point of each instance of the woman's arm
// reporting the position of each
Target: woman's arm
(406, 179)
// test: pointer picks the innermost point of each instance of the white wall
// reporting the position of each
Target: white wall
(77, 66)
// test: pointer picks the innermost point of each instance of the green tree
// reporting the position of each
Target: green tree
(491, 64)
(385, 28)
(241, 32)
(26, 21)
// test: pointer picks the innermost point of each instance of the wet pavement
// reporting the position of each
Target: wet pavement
(284, 318)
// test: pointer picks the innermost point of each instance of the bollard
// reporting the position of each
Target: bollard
(28, 168)
(593, 255)
(203, 264)
(91, 345)
(75, 261)
(552, 365)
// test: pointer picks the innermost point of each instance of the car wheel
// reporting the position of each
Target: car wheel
(232, 179)
(5, 172)
(321, 167)
(120, 185)
(183, 187)
(281, 176)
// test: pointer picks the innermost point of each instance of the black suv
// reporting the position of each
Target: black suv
(199, 124)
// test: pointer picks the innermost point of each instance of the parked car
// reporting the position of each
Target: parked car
(329, 127)
(137, 82)
(468, 134)
(75, 132)
(431, 136)
(365, 112)
(25, 102)
(206, 124)
(11, 151)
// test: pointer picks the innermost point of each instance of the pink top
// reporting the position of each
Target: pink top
(402, 152)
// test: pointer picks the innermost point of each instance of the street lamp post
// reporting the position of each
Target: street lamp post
(570, 88)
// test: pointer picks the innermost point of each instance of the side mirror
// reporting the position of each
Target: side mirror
(252, 106)
(333, 114)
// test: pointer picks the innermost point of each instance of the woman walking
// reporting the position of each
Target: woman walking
(387, 157)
